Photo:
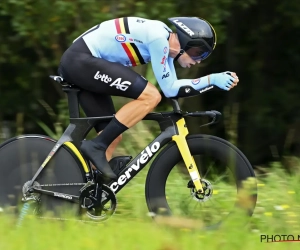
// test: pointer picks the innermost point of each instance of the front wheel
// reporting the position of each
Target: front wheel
(227, 178)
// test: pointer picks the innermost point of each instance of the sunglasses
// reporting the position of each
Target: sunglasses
(199, 51)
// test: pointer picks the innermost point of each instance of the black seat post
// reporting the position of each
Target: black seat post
(72, 100)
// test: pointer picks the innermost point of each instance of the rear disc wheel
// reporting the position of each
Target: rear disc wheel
(21, 157)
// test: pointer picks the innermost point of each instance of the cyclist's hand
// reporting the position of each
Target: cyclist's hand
(225, 80)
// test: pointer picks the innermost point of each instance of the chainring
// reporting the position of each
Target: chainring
(108, 203)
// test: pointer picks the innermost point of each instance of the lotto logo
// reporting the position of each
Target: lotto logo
(103, 78)
(123, 86)
(120, 38)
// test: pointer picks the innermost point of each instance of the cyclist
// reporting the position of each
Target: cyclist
(98, 62)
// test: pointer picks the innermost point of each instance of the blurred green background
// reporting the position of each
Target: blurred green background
(256, 39)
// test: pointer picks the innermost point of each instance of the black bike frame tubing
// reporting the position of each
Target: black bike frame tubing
(80, 127)
(141, 160)
(172, 127)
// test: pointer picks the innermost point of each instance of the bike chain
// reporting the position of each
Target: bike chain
(62, 184)
(64, 219)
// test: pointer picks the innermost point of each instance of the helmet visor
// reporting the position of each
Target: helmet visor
(199, 51)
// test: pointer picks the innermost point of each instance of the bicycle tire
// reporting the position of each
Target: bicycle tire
(163, 164)
(21, 157)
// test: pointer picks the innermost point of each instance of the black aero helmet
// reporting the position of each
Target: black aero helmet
(196, 36)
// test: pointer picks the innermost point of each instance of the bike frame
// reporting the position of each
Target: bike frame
(173, 128)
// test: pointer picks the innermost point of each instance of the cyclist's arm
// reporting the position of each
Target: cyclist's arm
(164, 70)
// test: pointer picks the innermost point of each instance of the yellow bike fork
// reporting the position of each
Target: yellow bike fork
(188, 159)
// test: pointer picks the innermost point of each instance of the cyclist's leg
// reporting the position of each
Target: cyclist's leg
(112, 147)
(134, 111)
(104, 77)
(96, 105)
(126, 117)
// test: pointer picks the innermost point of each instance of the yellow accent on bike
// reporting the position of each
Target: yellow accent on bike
(46, 161)
(71, 146)
(188, 159)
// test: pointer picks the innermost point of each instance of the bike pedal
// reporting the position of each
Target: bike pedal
(119, 162)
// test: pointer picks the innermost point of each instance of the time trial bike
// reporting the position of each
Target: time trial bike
(199, 176)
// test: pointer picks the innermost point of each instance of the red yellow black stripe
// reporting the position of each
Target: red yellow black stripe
(131, 49)
(136, 50)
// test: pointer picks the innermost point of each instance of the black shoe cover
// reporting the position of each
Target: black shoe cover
(97, 156)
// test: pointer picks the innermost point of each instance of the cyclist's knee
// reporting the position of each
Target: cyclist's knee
(150, 96)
